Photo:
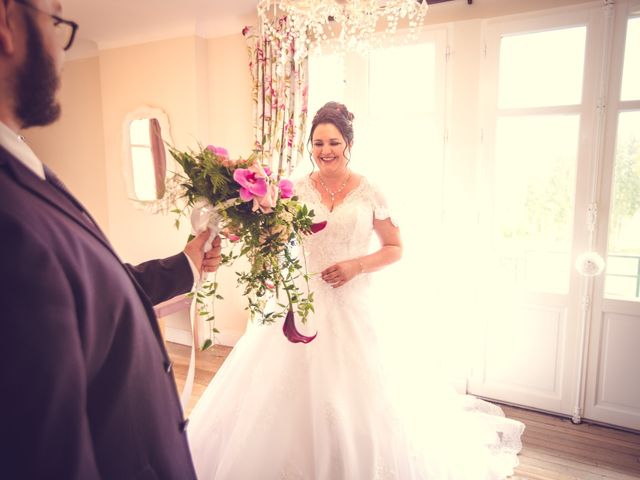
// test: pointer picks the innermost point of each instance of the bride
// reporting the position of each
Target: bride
(281, 410)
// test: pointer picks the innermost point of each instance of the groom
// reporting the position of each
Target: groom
(87, 390)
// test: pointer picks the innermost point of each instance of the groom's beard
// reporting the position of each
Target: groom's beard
(37, 83)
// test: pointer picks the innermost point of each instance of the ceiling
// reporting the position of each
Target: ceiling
(108, 24)
(114, 23)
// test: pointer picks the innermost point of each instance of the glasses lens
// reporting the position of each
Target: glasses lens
(64, 34)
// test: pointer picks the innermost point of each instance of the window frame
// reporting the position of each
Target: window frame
(590, 121)
(614, 106)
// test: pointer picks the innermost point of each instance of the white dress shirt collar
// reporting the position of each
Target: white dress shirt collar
(16, 146)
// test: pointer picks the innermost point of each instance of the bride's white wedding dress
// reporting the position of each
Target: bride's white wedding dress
(278, 410)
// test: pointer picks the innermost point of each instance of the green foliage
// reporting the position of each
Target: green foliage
(548, 204)
(627, 179)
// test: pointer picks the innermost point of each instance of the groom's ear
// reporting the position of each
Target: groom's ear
(8, 26)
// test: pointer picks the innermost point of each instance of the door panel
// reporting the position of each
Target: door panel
(534, 180)
(613, 381)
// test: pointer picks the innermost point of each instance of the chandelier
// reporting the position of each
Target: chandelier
(355, 25)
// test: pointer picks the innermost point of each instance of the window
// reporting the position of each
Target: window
(531, 176)
(541, 69)
(623, 255)
(144, 180)
(631, 68)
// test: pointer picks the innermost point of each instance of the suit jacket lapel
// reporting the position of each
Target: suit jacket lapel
(48, 193)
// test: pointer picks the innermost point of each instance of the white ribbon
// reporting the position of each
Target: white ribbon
(191, 372)
(203, 216)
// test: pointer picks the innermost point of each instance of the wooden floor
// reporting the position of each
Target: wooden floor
(554, 448)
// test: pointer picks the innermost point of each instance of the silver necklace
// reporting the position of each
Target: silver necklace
(337, 191)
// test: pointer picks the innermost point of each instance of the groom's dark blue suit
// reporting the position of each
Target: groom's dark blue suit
(86, 388)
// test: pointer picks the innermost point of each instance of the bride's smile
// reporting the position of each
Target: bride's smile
(330, 150)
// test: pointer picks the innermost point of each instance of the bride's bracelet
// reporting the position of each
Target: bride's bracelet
(361, 266)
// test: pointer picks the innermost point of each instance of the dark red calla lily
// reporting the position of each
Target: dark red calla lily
(292, 333)
(316, 227)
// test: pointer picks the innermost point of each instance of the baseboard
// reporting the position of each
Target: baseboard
(183, 337)
(177, 335)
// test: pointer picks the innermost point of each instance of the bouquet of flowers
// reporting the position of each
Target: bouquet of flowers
(263, 220)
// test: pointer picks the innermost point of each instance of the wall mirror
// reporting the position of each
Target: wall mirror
(148, 165)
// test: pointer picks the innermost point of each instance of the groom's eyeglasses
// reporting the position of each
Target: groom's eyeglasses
(66, 29)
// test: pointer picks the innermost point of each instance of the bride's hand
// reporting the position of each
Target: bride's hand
(340, 273)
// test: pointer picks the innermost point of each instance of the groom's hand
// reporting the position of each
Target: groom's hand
(204, 262)
(212, 258)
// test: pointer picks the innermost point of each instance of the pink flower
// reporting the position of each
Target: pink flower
(218, 151)
(267, 201)
(316, 227)
(259, 170)
(291, 332)
(267, 170)
(232, 237)
(254, 186)
(222, 155)
(251, 184)
(229, 163)
(286, 188)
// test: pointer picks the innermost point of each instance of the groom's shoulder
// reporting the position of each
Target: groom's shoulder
(8, 166)
(10, 192)
(4, 155)
(16, 201)
(7, 160)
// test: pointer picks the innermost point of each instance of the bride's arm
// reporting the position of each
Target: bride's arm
(390, 247)
(390, 251)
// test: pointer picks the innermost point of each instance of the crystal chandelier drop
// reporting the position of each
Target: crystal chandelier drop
(355, 24)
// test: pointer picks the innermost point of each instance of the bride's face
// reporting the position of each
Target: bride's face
(329, 149)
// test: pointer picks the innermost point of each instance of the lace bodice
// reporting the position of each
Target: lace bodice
(349, 226)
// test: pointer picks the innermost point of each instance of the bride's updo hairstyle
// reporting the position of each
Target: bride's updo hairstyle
(337, 115)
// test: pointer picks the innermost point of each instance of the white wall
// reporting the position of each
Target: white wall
(74, 146)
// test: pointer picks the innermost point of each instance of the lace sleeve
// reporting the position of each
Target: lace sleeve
(301, 188)
(381, 208)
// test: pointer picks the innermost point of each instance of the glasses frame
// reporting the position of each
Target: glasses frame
(57, 21)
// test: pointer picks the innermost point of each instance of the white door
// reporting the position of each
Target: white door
(539, 103)
(613, 380)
